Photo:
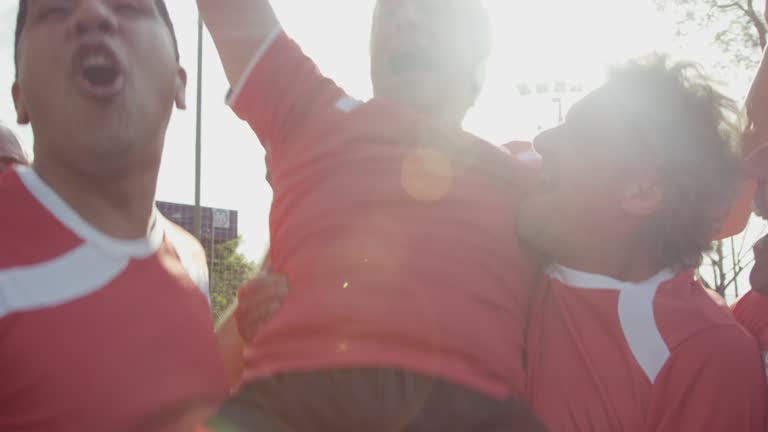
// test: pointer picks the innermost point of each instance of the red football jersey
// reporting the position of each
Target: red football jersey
(751, 311)
(397, 235)
(660, 355)
(96, 333)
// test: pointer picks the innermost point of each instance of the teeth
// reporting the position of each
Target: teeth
(97, 60)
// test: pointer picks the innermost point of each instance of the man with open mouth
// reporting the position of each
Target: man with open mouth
(105, 323)
(408, 295)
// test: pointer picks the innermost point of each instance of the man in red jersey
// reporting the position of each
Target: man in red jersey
(104, 318)
(10, 149)
(634, 186)
(408, 290)
(752, 309)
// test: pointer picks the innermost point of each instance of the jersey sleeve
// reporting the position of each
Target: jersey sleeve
(282, 92)
(715, 382)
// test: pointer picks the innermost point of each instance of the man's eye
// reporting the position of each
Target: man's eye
(127, 7)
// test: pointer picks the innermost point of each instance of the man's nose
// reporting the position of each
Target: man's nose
(94, 16)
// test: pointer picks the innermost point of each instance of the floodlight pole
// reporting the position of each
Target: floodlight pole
(198, 138)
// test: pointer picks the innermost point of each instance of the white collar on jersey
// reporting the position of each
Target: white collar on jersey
(579, 279)
(138, 248)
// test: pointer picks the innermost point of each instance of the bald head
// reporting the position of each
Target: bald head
(10, 149)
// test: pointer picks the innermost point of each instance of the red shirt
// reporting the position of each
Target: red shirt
(752, 312)
(99, 334)
(397, 236)
(658, 356)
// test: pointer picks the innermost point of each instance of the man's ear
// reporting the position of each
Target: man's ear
(181, 88)
(643, 196)
(22, 116)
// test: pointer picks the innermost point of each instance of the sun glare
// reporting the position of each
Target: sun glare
(547, 53)
(552, 50)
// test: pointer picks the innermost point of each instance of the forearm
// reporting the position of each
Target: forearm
(238, 28)
(231, 346)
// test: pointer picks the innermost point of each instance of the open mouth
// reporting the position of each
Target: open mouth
(98, 70)
(406, 62)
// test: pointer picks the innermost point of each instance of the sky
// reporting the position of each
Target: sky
(535, 42)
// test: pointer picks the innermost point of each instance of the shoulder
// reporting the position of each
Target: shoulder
(30, 233)
(280, 72)
(714, 380)
(685, 309)
(9, 180)
(725, 339)
(706, 354)
(702, 334)
(751, 311)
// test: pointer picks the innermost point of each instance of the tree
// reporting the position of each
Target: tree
(736, 28)
(229, 269)
(726, 266)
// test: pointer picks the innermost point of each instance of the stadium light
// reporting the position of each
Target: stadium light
(557, 89)
(198, 138)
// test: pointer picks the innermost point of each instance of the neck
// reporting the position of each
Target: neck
(442, 114)
(628, 259)
(448, 120)
(120, 206)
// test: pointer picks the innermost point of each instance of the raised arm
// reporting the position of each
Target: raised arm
(277, 89)
(239, 29)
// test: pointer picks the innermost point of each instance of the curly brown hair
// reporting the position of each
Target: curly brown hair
(691, 133)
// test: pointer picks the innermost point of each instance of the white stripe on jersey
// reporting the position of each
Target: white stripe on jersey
(87, 268)
(639, 325)
(238, 88)
(76, 274)
(139, 248)
(636, 314)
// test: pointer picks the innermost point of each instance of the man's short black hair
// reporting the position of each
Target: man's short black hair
(21, 20)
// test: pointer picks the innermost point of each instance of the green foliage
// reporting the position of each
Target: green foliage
(229, 269)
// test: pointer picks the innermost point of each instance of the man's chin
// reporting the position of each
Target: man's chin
(410, 89)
